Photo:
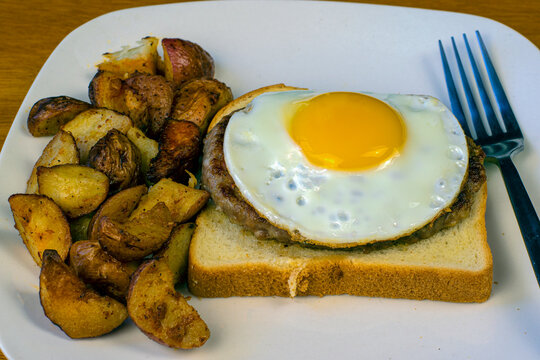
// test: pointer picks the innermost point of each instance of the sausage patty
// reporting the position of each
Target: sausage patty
(217, 180)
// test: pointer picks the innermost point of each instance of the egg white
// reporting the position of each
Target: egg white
(336, 207)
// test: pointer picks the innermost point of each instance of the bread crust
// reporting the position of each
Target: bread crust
(331, 272)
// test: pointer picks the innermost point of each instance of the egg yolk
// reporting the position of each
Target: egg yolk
(347, 131)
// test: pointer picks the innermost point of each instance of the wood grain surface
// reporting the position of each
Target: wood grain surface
(33, 28)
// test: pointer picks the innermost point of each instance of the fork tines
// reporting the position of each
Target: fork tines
(493, 125)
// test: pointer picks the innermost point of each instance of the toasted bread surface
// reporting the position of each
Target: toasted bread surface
(453, 265)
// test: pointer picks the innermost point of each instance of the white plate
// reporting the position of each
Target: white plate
(317, 45)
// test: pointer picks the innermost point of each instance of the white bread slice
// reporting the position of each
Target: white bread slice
(453, 265)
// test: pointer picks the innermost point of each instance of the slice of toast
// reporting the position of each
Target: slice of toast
(453, 265)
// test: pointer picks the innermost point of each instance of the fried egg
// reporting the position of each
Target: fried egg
(343, 168)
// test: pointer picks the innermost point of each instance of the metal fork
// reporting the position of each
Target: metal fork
(499, 144)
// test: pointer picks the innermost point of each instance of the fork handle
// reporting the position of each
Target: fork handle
(526, 216)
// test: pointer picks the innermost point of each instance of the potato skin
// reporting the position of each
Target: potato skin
(98, 268)
(117, 207)
(78, 310)
(157, 94)
(199, 100)
(109, 90)
(185, 60)
(118, 158)
(146, 99)
(138, 237)
(49, 114)
(179, 149)
(160, 312)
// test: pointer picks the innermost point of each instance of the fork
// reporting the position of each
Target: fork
(499, 144)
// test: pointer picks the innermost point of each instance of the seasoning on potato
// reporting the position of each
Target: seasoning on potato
(182, 201)
(162, 313)
(77, 189)
(198, 101)
(41, 224)
(117, 207)
(137, 237)
(91, 125)
(78, 310)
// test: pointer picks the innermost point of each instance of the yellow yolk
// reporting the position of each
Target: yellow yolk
(347, 131)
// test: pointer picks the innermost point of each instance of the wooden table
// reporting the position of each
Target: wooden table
(33, 28)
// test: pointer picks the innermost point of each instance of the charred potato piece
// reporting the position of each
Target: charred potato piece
(91, 125)
(182, 201)
(147, 147)
(157, 94)
(41, 224)
(138, 237)
(118, 208)
(160, 312)
(185, 60)
(118, 158)
(146, 99)
(78, 190)
(78, 310)
(179, 148)
(107, 90)
(140, 59)
(198, 101)
(99, 269)
(62, 149)
(175, 251)
(49, 114)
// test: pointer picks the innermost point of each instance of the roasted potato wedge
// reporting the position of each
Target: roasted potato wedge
(157, 93)
(118, 158)
(118, 208)
(91, 125)
(182, 201)
(77, 189)
(62, 149)
(147, 147)
(175, 251)
(49, 114)
(162, 313)
(199, 100)
(41, 224)
(140, 59)
(179, 149)
(137, 237)
(78, 310)
(109, 90)
(96, 267)
(146, 99)
(185, 60)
